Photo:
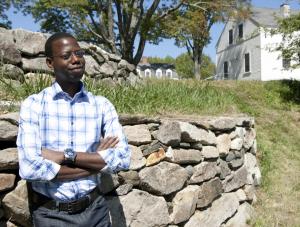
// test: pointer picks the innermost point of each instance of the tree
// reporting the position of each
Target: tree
(117, 24)
(185, 66)
(290, 46)
(4, 6)
(191, 25)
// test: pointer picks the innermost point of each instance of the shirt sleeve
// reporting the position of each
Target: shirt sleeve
(32, 166)
(117, 158)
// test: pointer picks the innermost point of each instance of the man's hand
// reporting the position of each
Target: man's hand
(54, 156)
(108, 142)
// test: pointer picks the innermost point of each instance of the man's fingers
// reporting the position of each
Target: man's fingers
(109, 142)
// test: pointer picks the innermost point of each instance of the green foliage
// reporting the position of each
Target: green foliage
(166, 60)
(290, 46)
(4, 6)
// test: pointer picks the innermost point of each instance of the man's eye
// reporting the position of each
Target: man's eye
(66, 56)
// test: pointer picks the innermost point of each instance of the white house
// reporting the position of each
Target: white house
(246, 49)
(156, 70)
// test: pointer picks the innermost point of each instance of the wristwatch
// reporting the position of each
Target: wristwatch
(70, 155)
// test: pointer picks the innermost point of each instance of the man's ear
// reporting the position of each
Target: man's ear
(49, 62)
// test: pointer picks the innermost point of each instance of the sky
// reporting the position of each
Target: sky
(167, 47)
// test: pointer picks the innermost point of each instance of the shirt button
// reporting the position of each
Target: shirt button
(72, 123)
(71, 142)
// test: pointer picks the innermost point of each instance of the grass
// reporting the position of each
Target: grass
(275, 106)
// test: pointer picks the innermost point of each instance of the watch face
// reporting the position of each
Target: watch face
(69, 154)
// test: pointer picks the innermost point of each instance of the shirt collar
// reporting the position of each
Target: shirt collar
(59, 93)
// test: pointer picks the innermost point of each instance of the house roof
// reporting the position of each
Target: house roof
(155, 66)
(267, 16)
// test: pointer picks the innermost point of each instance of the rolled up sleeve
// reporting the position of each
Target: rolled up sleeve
(117, 158)
(32, 166)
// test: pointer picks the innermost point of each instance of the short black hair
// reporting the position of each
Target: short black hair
(52, 38)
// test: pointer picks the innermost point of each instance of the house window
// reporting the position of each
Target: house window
(226, 74)
(169, 73)
(158, 73)
(147, 73)
(286, 63)
(230, 36)
(247, 62)
(241, 31)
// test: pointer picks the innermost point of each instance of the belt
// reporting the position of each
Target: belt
(70, 207)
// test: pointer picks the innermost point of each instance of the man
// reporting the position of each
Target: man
(66, 136)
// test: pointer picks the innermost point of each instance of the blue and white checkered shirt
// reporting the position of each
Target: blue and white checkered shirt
(54, 120)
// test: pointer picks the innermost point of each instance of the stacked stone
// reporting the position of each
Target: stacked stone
(22, 57)
(183, 172)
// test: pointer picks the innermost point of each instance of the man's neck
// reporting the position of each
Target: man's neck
(70, 88)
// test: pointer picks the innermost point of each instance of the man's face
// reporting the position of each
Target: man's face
(67, 60)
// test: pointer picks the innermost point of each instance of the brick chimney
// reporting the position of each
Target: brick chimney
(285, 10)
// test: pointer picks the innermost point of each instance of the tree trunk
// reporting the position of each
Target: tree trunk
(197, 71)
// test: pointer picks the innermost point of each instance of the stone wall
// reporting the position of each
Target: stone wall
(22, 56)
(183, 172)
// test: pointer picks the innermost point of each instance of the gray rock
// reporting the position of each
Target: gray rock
(129, 177)
(241, 195)
(185, 145)
(210, 152)
(223, 144)
(153, 126)
(109, 182)
(225, 171)
(153, 147)
(190, 170)
(8, 131)
(250, 164)
(253, 149)
(163, 179)
(220, 211)
(222, 123)
(192, 134)
(208, 192)
(236, 144)
(123, 64)
(91, 65)
(137, 160)
(236, 180)
(9, 159)
(239, 132)
(133, 79)
(137, 134)
(9, 53)
(35, 65)
(236, 163)
(16, 205)
(250, 192)
(12, 117)
(29, 43)
(243, 215)
(138, 209)
(169, 133)
(249, 138)
(124, 189)
(129, 119)
(197, 146)
(204, 171)
(7, 224)
(183, 156)
(12, 72)
(106, 70)
(184, 204)
(230, 156)
(7, 181)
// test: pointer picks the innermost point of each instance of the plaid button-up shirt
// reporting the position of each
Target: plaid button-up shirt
(54, 120)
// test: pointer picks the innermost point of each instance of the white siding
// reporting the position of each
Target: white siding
(272, 61)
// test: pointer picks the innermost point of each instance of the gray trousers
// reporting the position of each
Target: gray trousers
(96, 215)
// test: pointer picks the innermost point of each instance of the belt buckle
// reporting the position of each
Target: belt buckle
(71, 207)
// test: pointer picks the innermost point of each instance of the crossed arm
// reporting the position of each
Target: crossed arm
(86, 164)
